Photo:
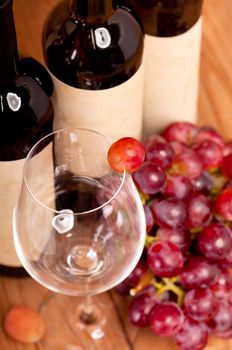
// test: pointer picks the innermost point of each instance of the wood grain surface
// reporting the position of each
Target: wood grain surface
(215, 109)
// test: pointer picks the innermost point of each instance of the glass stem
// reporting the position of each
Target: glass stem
(92, 318)
(87, 311)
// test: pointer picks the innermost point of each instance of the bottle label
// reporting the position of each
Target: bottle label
(114, 112)
(171, 78)
(40, 218)
(10, 180)
(37, 206)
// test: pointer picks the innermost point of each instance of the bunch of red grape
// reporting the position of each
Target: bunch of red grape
(182, 285)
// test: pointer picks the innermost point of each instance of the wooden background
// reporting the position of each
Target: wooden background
(215, 109)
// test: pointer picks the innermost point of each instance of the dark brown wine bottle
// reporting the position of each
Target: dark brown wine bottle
(26, 114)
(172, 60)
(94, 50)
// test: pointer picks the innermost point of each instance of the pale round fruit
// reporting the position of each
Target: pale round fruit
(24, 324)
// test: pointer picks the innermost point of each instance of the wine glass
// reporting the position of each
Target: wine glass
(79, 227)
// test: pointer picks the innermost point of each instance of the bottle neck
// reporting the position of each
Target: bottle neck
(167, 18)
(91, 8)
(8, 44)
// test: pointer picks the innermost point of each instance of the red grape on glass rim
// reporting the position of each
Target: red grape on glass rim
(185, 184)
(127, 154)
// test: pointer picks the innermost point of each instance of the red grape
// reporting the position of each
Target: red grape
(223, 285)
(187, 163)
(149, 178)
(160, 153)
(166, 318)
(153, 139)
(202, 183)
(226, 334)
(226, 262)
(134, 277)
(199, 210)
(227, 166)
(208, 134)
(178, 236)
(198, 272)
(223, 204)
(140, 307)
(127, 154)
(149, 218)
(222, 320)
(210, 154)
(123, 288)
(215, 241)
(228, 184)
(192, 336)
(200, 304)
(179, 147)
(170, 213)
(180, 131)
(165, 259)
(177, 186)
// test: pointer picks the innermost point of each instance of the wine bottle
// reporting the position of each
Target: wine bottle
(93, 50)
(172, 60)
(26, 114)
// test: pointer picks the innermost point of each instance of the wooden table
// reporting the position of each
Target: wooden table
(215, 108)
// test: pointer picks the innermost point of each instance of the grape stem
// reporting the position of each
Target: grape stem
(169, 285)
(165, 285)
(143, 197)
(149, 240)
(145, 281)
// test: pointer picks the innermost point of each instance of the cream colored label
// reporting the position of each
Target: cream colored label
(81, 153)
(33, 218)
(10, 181)
(171, 79)
(114, 112)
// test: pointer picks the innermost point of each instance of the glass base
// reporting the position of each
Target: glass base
(74, 323)
(91, 319)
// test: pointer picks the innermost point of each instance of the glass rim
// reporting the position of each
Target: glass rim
(56, 132)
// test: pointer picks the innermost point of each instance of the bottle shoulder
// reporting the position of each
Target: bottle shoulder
(167, 18)
(26, 114)
(104, 52)
(34, 69)
(61, 23)
(23, 95)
